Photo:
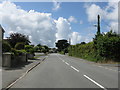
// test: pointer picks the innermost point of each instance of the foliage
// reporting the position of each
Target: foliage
(45, 49)
(17, 37)
(85, 51)
(19, 46)
(39, 47)
(62, 44)
(108, 46)
(104, 47)
(29, 49)
(36, 48)
(6, 46)
(18, 52)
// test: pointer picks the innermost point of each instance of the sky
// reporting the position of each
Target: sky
(48, 22)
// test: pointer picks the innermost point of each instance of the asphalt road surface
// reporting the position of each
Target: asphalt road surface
(59, 71)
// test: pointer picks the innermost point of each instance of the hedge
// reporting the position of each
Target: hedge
(104, 47)
(6, 47)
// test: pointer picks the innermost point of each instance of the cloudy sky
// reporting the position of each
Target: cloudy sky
(47, 22)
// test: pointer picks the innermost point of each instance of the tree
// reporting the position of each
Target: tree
(17, 37)
(82, 43)
(6, 47)
(45, 49)
(62, 45)
(39, 47)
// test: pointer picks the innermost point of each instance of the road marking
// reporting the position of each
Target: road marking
(67, 63)
(60, 58)
(95, 82)
(99, 66)
(74, 68)
(107, 68)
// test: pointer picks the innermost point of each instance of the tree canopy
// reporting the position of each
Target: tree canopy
(17, 37)
(62, 44)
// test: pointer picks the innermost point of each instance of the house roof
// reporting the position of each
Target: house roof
(2, 28)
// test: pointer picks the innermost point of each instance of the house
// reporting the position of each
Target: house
(1, 38)
(2, 31)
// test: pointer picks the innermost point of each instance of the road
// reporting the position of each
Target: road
(60, 71)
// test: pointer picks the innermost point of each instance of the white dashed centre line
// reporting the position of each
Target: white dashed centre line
(95, 82)
(67, 63)
(74, 68)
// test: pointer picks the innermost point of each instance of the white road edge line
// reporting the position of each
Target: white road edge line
(74, 68)
(67, 63)
(95, 82)
(107, 68)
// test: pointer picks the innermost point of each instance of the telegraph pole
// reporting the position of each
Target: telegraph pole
(98, 26)
(69, 41)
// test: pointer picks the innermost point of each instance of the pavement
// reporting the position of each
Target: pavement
(10, 75)
(60, 71)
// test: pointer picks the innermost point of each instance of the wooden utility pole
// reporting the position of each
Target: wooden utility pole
(69, 41)
(98, 26)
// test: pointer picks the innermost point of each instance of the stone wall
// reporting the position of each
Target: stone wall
(6, 60)
(9, 60)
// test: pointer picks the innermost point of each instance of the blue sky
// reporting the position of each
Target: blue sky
(77, 22)
(67, 9)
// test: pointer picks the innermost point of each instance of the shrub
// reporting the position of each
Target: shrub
(85, 51)
(18, 52)
(29, 49)
(19, 46)
(6, 47)
(104, 47)
(108, 46)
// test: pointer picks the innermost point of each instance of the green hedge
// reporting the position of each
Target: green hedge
(85, 51)
(19, 46)
(104, 47)
(6, 47)
(18, 52)
(29, 49)
(108, 46)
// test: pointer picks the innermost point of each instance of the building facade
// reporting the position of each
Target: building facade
(1, 38)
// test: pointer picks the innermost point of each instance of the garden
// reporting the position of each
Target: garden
(17, 49)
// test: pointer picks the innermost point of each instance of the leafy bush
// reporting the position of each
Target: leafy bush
(104, 47)
(29, 49)
(19, 46)
(108, 46)
(18, 52)
(85, 51)
(36, 48)
(17, 37)
(6, 47)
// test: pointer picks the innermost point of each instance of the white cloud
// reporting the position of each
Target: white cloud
(40, 27)
(108, 13)
(72, 19)
(63, 28)
(56, 5)
(92, 11)
(75, 38)
(64, 31)
(114, 26)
